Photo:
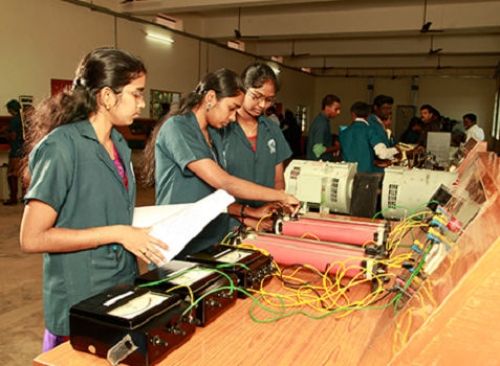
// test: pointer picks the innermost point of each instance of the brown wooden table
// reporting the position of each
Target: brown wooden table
(363, 337)
(235, 339)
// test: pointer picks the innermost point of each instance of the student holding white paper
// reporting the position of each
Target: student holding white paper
(81, 196)
(184, 156)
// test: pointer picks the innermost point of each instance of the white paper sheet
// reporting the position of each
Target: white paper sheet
(176, 225)
(147, 216)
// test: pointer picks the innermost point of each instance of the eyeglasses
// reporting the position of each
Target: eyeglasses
(259, 98)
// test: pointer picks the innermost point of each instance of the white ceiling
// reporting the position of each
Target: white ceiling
(377, 37)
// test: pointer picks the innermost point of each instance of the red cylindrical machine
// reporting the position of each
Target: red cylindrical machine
(288, 251)
(349, 230)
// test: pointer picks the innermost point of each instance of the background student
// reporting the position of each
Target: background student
(319, 139)
(361, 144)
(472, 130)
(14, 134)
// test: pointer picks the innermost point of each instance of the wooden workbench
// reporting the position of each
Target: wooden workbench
(235, 339)
(363, 337)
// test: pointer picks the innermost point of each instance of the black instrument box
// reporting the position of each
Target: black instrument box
(209, 287)
(251, 267)
(125, 324)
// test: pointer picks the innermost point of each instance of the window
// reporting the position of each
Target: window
(495, 131)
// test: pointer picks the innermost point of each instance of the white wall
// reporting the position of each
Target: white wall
(38, 45)
(172, 67)
(296, 89)
(45, 39)
(452, 96)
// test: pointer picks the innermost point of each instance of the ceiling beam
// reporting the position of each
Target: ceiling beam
(392, 62)
(420, 44)
(146, 7)
(372, 18)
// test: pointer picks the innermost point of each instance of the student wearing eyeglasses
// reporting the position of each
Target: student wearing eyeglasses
(185, 160)
(254, 146)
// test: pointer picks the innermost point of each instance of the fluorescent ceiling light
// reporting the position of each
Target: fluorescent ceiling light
(159, 38)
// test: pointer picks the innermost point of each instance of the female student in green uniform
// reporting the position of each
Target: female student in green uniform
(254, 147)
(187, 153)
(81, 195)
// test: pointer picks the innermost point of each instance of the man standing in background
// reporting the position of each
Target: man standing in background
(431, 119)
(319, 141)
(472, 130)
(14, 133)
(382, 111)
(361, 144)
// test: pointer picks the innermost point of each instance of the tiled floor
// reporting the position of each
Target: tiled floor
(21, 311)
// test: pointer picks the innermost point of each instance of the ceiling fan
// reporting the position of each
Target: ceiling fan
(432, 50)
(426, 25)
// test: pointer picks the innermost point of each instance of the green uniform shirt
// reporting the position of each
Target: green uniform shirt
(380, 135)
(259, 166)
(357, 143)
(319, 133)
(180, 142)
(72, 172)
(379, 129)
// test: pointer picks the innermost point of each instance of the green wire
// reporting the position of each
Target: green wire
(231, 287)
(166, 279)
(226, 265)
(283, 314)
(169, 278)
(412, 212)
(413, 275)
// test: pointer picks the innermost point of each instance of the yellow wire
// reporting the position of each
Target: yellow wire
(426, 289)
(253, 247)
(262, 219)
(333, 291)
(191, 295)
(303, 295)
(310, 235)
(401, 337)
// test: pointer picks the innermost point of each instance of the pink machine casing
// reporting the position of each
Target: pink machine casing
(289, 250)
(349, 230)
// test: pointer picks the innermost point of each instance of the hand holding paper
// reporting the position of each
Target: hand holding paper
(176, 225)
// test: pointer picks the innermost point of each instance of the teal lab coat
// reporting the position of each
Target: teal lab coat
(180, 142)
(72, 172)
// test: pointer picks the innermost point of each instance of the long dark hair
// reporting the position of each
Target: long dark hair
(256, 74)
(225, 83)
(102, 67)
